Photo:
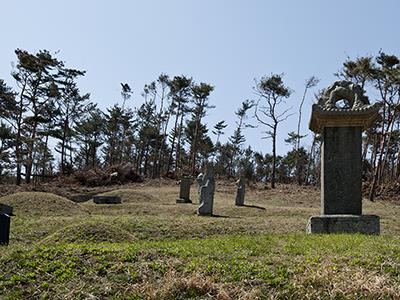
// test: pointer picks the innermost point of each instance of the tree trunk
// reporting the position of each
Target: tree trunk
(310, 159)
(378, 170)
(173, 139)
(63, 141)
(31, 146)
(178, 146)
(194, 148)
(44, 158)
(273, 173)
(146, 160)
(299, 120)
(375, 180)
(18, 138)
(18, 159)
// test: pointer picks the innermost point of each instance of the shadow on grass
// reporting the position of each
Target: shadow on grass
(219, 216)
(254, 206)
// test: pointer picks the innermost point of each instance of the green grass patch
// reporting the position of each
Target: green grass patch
(284, 266)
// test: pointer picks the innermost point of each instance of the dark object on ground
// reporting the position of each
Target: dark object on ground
(79, 198)
(4, 229)
(254, 206)
(118, 174)
(106, 199)
(6, 209)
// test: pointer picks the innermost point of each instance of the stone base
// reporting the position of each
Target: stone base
(181, 200)
(366, 224)
(209, 214)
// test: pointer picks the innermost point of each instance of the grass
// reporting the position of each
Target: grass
(148, 247)
(288, 266)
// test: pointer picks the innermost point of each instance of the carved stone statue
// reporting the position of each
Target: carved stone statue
(200, 181)
(240, 191)
(350, 93)
(206, 193)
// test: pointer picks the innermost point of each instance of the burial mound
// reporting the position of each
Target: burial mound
(89, 233)
(40, 203)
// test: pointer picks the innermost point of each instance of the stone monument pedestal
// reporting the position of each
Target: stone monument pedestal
(366, 224)
(341, 162)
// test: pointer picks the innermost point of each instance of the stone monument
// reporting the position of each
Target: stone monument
(184, 191)
(4, 229)
(106, 199)
(341, 160)
(206, 193)
(240, 191)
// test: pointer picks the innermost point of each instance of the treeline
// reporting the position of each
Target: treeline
(49, 127)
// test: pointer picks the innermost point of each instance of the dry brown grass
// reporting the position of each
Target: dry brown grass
(353, 282)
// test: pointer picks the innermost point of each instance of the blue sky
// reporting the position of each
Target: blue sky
(224, 43)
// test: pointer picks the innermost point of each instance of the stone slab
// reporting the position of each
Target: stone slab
(184, 190)
(240, 191)
(341, 171)
(4, 229)
(366, 224)
(106, 199)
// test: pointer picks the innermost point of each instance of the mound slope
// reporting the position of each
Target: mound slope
(89, 233)
(40, 203)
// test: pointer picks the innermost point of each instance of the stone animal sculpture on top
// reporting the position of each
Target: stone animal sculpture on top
(352, 94)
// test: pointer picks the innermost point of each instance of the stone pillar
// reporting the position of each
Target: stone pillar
(240, 191)
(341, 171)
(206, 193)
(184, 190)
(4, 229)
(341, 161)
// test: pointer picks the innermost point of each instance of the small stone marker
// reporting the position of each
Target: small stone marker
(106, 199)
(184, 191)
(240, 191)
(206, 193)
(341, 160)
(4, 229)
(6, 209)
